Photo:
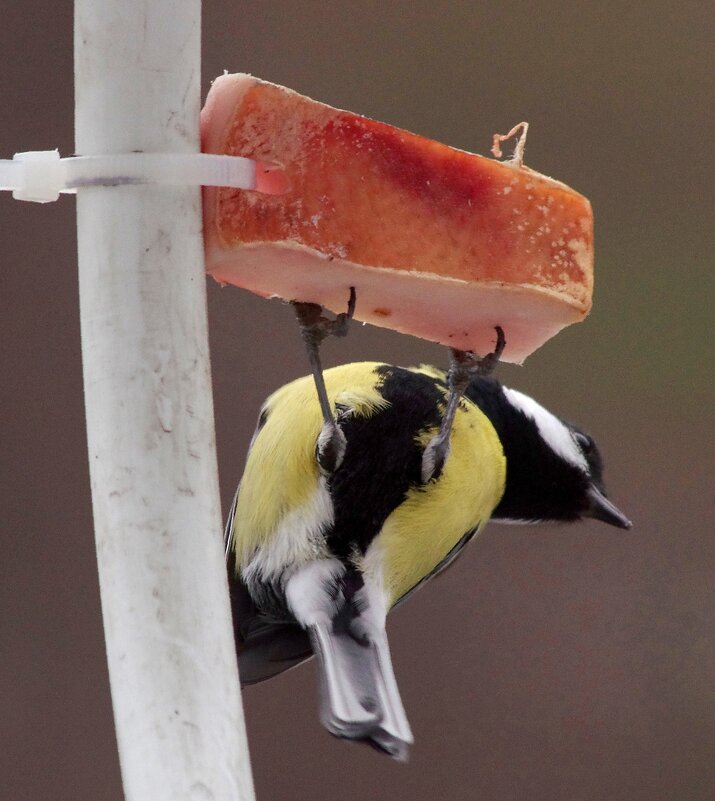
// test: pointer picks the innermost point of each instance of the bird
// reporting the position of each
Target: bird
(337, 518)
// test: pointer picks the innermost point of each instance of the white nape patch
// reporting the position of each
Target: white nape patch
(298, 539)
(556, 435)
(309, 591)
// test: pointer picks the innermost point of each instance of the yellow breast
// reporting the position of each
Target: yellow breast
(422, 531)
(281, 478)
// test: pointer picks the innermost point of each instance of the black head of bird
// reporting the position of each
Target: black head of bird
(554, 469)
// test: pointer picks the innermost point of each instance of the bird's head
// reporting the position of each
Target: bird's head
(554, 470)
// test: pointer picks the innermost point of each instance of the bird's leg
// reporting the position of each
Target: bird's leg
(315, 328)
(464, 365)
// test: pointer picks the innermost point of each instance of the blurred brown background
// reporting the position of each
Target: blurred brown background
(549, 664)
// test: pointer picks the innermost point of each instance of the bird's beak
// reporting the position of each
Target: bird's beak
(602, 509)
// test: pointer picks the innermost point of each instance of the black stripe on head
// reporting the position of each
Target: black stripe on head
(382, 458)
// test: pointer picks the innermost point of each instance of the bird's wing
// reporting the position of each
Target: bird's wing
(270, 650)
(265, 647)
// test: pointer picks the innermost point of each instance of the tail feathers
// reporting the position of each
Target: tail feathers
(395, 733)
(350, 704)
(345, 619)
(360, 699)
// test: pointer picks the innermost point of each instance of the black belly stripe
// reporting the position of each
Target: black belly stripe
(382, 459)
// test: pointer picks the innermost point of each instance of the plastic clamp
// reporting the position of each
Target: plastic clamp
(41, 175)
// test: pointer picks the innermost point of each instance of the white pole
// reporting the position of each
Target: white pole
(150, 429)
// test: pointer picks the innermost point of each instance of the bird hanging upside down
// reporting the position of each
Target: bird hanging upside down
(353, 499)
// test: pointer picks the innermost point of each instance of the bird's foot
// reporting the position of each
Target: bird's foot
(315, 327)
(464, 365)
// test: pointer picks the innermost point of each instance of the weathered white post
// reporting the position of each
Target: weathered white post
(150, 426)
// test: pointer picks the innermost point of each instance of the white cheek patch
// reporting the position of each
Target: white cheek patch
(555, 433)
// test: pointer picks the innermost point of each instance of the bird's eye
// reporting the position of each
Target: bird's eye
(584, 441)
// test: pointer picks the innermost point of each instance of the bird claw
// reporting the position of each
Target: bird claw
(316, 327)
(466, 364)
(488, 363)
(340, 324)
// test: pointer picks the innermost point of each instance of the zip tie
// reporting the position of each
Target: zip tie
(41, 175)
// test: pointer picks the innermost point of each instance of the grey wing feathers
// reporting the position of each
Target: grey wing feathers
(270, 650)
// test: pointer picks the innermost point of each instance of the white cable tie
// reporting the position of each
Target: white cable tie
(41, 175)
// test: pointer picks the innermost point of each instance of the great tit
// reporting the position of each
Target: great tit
(322, 542)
